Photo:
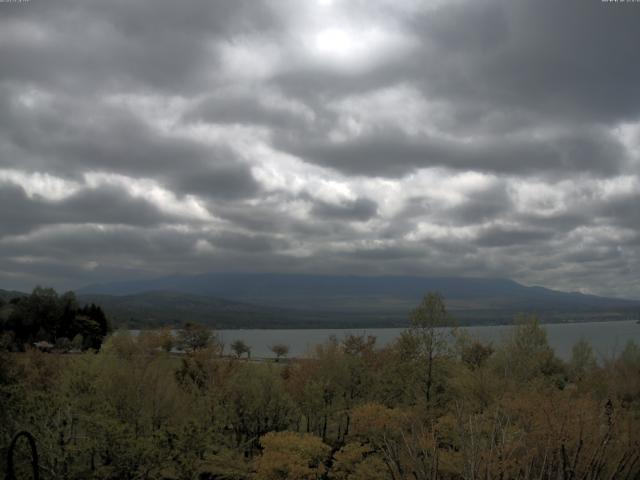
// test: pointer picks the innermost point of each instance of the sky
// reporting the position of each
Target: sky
(496, 138)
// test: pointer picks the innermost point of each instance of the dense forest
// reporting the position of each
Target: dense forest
(49, 319)
(435, 404)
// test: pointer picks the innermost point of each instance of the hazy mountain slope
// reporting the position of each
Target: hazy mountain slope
(279, 300)
(7, 295)
(303, 291)
(306, 301)
(175, 308)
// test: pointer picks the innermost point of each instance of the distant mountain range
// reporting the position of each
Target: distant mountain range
(321, 301)
(232, 300)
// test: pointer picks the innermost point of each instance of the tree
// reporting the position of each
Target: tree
(582, 360)
(357, 461)
(624, 373)
(631, 354)
(475, 354)
(292, 456)
(90, 330)
(427, 322)
(44, 315)
(95, 313)
(527, 353)
(195, 337)
(77, 342)
(280, 350)
(36, 317)
(359, 345)
(69, 309)
(256, 402)
(320, 385)
(239, 347)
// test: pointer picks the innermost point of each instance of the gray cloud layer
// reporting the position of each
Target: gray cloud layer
(489, 137)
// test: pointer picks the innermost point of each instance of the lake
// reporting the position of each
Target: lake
(606, 338)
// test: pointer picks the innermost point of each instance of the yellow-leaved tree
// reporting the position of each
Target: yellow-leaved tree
(292, 456)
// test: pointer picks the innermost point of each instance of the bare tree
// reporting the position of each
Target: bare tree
(239, 347)
(279, 350)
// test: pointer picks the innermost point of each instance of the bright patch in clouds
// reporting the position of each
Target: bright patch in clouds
(350, 48)
(338, 43)
(188, 207)
(40, 184)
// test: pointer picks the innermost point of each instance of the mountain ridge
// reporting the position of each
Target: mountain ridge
(244, 285)
(268, 300)
(304, 300)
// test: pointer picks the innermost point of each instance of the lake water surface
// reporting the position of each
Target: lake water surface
(606, 338)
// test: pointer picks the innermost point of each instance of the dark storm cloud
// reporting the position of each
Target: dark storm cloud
(388, 254)
(267, 219)
(224, 181)
(361, 209)
(563, 222)
(80, 243)
(88, 45)
(482, 206)
(109, 205)
(606, 254)
(489, 137)
(505, 236)
(67, 134)
(259, 244)
(242, 110)
(106, 205)
(477, 208)
(69, 137)
(516, 64)
(389, 153)
(623, 210)
(575, 60)
(22, 215)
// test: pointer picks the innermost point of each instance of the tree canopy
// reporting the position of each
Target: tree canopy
(45, 316)
(350, 410)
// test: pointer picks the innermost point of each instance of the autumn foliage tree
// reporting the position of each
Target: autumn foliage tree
(292, 456)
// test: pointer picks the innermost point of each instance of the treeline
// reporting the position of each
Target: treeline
(435, 404)
(55, 321)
